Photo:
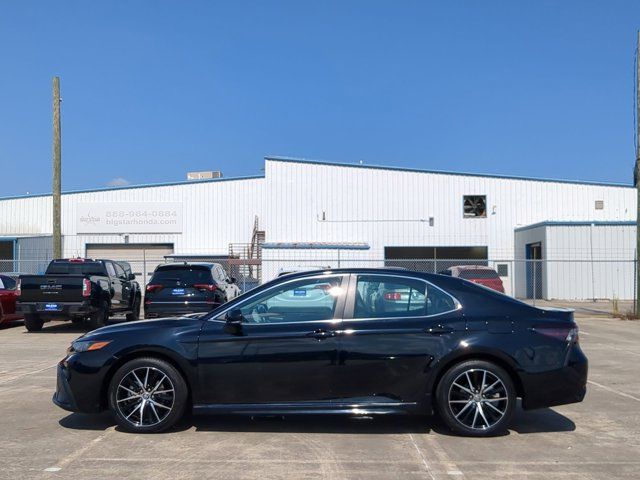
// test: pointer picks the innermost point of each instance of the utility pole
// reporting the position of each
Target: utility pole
(636, 177)
(57, 230)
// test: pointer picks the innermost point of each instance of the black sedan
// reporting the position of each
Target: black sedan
(345, 341)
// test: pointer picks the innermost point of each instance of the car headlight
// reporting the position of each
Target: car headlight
(88, 345)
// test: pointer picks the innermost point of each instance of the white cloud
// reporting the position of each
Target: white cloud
(118, 182)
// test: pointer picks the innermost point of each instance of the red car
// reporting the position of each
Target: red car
(8, 297)
(485, 276)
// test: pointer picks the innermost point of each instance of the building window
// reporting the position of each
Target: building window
(502, 269)
(474, 206)
(599, 204)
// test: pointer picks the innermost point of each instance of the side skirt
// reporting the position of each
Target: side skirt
(308, 408)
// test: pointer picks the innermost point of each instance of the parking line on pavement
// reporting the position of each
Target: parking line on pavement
(16, 377)
(424, 460)
(79, 452)
(442, 457)
(613, 390)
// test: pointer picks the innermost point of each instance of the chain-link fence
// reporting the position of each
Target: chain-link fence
(608, 284)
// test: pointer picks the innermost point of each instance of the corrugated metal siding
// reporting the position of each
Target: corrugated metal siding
(359, 202)
(598, 259)
(215, 214)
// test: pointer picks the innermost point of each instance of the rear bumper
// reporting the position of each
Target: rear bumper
(64, 309)
(557, 387)
(161, 310)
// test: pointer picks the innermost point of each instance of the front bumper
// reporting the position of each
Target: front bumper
(79, 385)
(63, 397)
(557, 387)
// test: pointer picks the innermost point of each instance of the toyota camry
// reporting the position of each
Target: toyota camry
(343, 341)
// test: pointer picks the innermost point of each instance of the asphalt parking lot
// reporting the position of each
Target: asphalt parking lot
(596, 439)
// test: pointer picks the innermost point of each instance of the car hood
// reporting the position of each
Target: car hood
(175, 323)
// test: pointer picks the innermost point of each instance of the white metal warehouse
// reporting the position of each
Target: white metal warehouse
(323, 214)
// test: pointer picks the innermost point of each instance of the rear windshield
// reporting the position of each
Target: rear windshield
(185, 276)
(7, 283)
(480, 273)
(75, 268)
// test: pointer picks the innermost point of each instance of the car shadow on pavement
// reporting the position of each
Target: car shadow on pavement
(11, 324)
(313, 424)
(536, 421)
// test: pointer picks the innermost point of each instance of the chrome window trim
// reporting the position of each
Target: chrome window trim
(428, 284)
(456, 302)
(324, 275)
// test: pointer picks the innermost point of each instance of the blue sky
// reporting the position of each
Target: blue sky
(153, 89)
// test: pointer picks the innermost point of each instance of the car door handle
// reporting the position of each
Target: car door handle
(321, 334)
(438, 330)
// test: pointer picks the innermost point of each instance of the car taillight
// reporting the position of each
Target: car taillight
(154, 288)
(205, 287)
(567, 334)
(86, 287)
(393, 296)
(18, 287)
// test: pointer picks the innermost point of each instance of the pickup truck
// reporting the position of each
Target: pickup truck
(79, 290)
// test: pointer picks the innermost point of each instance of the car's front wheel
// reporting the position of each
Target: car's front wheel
(476, 398)
(147, 395)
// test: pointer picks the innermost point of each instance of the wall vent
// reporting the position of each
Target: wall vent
(208, 175)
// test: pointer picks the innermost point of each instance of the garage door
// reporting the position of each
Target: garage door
(144, 258)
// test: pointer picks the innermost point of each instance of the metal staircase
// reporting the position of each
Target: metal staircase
(246, 258)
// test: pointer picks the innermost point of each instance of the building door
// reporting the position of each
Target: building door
(6, 255)
(143, 257)
(533, 255)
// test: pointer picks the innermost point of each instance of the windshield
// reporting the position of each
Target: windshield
(71, 268)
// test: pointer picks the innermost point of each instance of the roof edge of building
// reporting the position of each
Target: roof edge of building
(577, 223)
(138, 186)
(277, 158)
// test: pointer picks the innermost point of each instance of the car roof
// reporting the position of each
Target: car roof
(364, 270)
(187, 264)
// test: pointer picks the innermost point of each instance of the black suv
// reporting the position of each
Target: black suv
(183, 288)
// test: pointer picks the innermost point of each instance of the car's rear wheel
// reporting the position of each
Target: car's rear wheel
(33, 323)
(99, 318)
(135, 311)
(147, 395)
(476, 398)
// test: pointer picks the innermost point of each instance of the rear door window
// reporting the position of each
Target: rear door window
(110, 270)
(381, 296)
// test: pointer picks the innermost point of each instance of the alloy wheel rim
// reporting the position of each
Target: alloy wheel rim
(478, 399)
(145, 396)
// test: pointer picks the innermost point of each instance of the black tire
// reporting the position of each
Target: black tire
(100, 317)
(149, 371)
(77, 320)
(33, 322)
(471, 411)
(135, 311)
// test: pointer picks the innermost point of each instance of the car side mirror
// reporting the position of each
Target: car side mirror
(233, 323)
(131, 276)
